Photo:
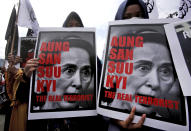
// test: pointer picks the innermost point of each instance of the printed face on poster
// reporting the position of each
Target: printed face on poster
(64, 84)
(139, 71)
(179, 37)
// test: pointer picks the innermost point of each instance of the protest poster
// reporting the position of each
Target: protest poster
(26, 49)
(64, 84)
(179, 38)
(138, 72)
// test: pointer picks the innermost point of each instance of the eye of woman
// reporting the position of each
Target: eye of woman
(86, 73)
(68, 71)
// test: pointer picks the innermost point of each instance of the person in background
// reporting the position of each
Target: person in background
(85, 123)
(93, 123)
(70, 124)
(132, 9)
(73, 20)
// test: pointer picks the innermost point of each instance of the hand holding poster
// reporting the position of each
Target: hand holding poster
(64, 84)
(179, 37)
(138, 72)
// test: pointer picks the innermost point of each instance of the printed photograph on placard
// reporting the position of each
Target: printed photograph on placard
(184, 35)
(139, 72)
(179, 38)
(27, 47)
(64, 84)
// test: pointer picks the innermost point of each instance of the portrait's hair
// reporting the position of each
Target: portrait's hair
(80, 43)
(152, 36)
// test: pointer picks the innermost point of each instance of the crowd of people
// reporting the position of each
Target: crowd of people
(78, 73)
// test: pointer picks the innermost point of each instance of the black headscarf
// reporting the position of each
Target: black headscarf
(126, 3)
(73, 16)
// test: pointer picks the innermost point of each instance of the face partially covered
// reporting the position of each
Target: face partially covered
(73, 23)
(75, 75)
(133, 11)
(152, 75)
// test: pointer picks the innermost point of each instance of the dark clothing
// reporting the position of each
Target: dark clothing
(70, 124)
(189, 110)
(93, 123)
(114, 127)
(126, 3)
(7, 116)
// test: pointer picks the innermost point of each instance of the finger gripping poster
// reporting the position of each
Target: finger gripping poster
(64, 83)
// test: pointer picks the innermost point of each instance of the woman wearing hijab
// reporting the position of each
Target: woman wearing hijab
(132, 8)
(78, 123)
(129, 9)
(73, 20)
(72, 124)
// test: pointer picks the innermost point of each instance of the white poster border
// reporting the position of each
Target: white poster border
(62, 114)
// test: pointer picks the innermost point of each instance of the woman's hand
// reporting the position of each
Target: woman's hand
(127, 124)
(31, 65)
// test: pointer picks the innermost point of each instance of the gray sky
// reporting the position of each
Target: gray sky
(167, 6)
(94, 13)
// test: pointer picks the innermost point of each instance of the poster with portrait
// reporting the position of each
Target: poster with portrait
(139, 72)
(26, 49)
(64, 84)
(179, 38)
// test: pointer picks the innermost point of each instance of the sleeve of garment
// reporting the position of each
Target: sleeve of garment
(113, 127)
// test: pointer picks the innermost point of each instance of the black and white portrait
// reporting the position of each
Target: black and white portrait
(139, 72)
(65, 79)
